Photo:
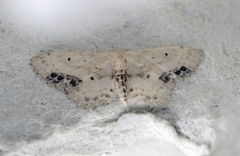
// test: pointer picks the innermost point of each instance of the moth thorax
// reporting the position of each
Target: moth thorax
(120, 64)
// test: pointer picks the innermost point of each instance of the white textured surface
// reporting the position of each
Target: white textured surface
(202, 115)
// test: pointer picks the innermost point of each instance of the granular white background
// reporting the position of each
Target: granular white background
(202, 116)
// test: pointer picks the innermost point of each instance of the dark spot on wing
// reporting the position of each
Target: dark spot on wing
(165, 78)
(166, 54)
(155, 97)
(111, 90)
(183, 68)
(148, 97)
(177, 72)
(49, 78)
(124, 90)
(69, 59)
(73, 82)
(54, 75)
(60, 77)
(95, 98)
(86, 99)
(148, 76)
(92, 78)
(131, 89)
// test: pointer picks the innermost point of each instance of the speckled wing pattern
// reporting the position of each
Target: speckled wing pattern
(154, 72)
(136, 77)
(84, 76)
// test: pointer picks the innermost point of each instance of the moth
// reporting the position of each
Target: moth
(135, 77)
